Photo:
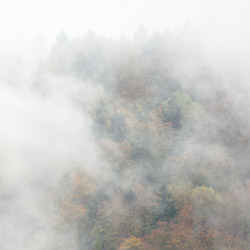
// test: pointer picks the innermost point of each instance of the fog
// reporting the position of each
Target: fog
(124, 125)
(22, 22)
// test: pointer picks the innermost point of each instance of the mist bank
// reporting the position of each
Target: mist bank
(135, 143)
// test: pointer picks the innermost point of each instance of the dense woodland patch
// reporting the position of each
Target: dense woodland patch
(173, 149)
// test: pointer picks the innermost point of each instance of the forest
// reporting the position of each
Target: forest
(163, 163)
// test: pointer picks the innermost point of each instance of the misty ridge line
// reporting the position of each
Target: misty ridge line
(125, 144)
